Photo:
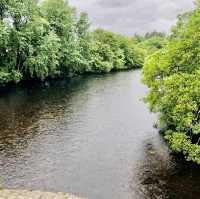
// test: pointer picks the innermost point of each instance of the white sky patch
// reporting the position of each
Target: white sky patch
(133, 16)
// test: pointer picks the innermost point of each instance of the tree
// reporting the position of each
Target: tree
(126, 55)
(152, 42)
(102, 58)
(61, 18)
(43, 51)
(173, 76)
(3, 8)
(47, 39)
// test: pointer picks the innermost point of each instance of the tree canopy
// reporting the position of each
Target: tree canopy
(48, 39)
(173, 76)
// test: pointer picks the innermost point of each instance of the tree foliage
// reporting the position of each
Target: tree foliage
(173, 76)
(151, 42)
(122, 52)
(40, 39)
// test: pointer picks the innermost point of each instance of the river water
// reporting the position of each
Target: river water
(92, 136)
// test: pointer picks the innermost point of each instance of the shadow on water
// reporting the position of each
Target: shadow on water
(164, 175)
(22, 108)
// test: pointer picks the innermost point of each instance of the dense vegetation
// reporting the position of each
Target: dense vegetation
(48, 39)
(173, 76)
(151, 42)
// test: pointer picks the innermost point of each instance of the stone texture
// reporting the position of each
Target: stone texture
(22, 194)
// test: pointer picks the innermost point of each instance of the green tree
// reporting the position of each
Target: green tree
(151, 42)
(62, 20)
(43, 50)
(3, 8)
(173, 76)
(102, 58)
(126, 54)
(84, 40)
(40, 39)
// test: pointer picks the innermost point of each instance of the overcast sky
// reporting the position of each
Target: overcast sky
(133, 16)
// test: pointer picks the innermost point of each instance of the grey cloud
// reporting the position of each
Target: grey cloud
(114, 4)
(133, 16)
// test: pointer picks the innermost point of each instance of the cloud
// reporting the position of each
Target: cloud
(133, 16)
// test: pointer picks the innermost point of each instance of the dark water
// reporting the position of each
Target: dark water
(91, 136)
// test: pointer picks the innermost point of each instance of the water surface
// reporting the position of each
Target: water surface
(92, 136)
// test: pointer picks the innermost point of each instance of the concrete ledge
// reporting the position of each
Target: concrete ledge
(22, 194)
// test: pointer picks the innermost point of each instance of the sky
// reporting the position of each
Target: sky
(133, 16)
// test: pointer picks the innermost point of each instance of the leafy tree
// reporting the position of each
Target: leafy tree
(84, 42)
(40, 39)
(151, 42)
(43, 51)
(102, 58)
(173, 76)
(125, 53)
(61, 18)
(133, 55)
(3, 8)
(110, 38)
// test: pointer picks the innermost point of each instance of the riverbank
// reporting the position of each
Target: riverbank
(23, 194)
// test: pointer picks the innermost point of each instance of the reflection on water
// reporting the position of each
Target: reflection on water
(165, 176)
(91, 136)
(154, 171)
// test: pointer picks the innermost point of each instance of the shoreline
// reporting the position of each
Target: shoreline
(25, 194)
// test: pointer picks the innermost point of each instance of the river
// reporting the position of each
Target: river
(92, 136)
